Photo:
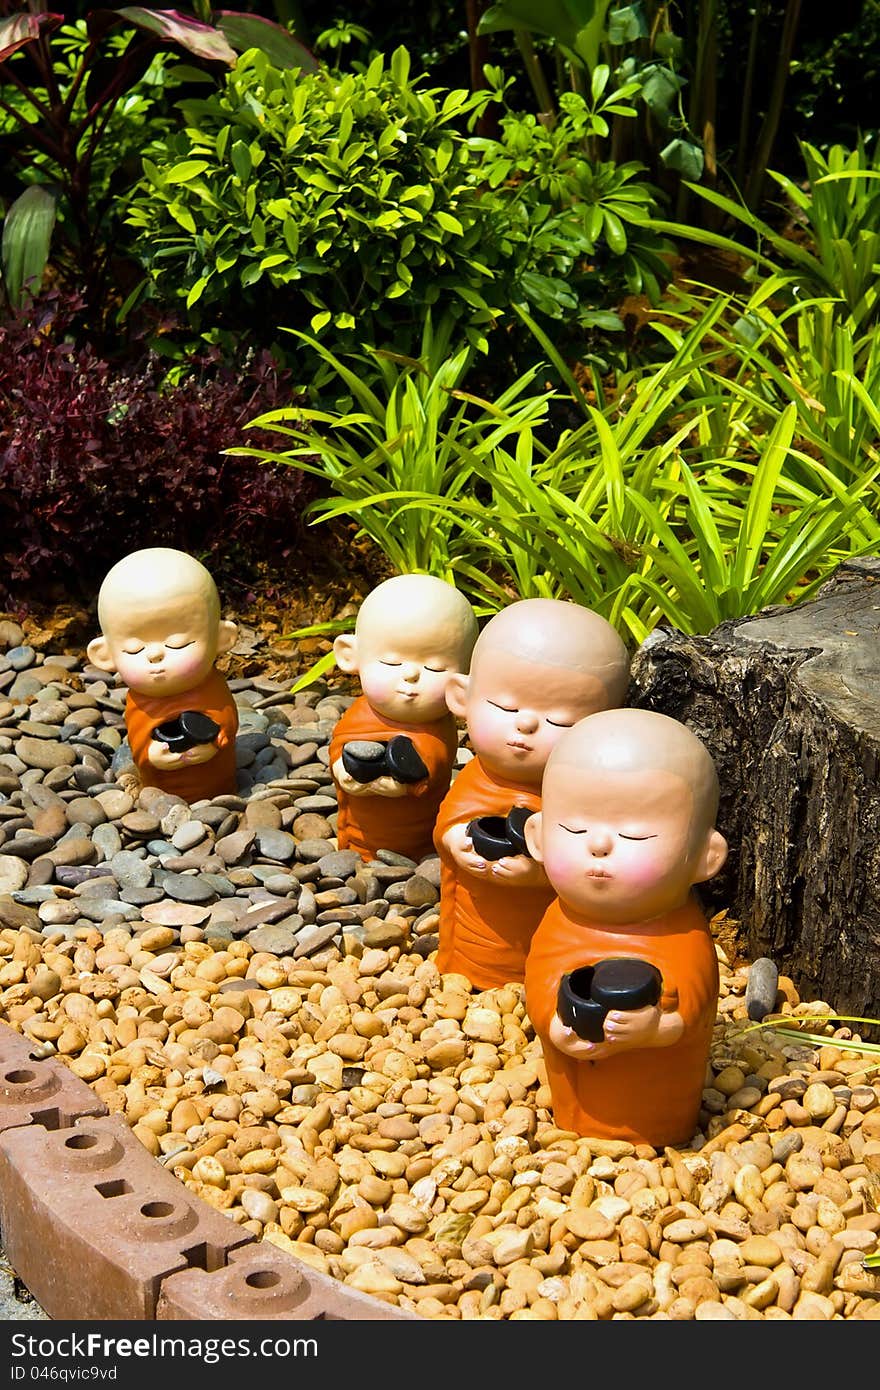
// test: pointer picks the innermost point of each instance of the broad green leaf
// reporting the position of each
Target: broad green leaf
(684, 157)
(27, 235)
(241, 160)
(186, 170)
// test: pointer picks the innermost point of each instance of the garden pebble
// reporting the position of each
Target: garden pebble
(312, 1075)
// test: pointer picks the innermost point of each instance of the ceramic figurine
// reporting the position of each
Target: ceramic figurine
(392, 752)
(622, 976)
(538, 666)
(161, 632)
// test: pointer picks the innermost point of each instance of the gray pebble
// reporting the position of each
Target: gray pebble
(130, 870)
(311, 851)
(20, 658)
(108, 839)
(185, 888)
(340, 863)
(311, 939)
(317, 803)
(761, 988)
(279, 940)
(274, 844)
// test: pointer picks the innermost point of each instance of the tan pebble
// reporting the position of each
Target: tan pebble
(285, 1001)
(272, 975)
(153, 982)
(210, 1171)
(813, 1307)
(761, 1250)
(730, 1080)
(408, 1217)
(45, 984)
(377, 1191)
(359, 1218)
(374, 1278)
(348, 1046)
(483, 1025)
(156, 939)
(510, 1243)
(680, 1232)
(713, 1312)
(305, 1199)
(819, 1101)
(402, 1266)
(447, 1053)
(259, 1205)
(373, 962)
(71, 1041)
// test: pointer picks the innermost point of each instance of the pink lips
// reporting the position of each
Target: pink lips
(598, 873)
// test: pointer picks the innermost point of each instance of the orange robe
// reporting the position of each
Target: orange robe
(650, 1095)
(403, 824)
(485, 925)
(193, 782)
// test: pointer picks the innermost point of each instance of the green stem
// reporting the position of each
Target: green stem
(770, 125)
(535, 72)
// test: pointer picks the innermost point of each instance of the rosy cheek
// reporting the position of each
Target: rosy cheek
(563, 864)
(644, 869)
(378, 684)
(484, 729)
(190, 665)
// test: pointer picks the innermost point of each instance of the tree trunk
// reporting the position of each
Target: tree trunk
(788, 703)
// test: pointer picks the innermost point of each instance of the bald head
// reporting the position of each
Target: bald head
(150, 579)
(627, 820)
(640, 741)
(159, 613)
(556, 633)
(422, 605)
(413, 632)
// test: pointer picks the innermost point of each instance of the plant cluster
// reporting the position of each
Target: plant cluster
(95, 462)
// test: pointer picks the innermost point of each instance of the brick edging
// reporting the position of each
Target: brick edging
(99, 1230)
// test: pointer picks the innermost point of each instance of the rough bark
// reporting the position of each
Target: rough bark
(788, 703)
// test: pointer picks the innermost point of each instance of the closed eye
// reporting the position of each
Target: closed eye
(390, 663)
(571, 830)
(635, 837)
(132, 651)
(560, 723)
(508, 709)
(178, 646)
(437, 670)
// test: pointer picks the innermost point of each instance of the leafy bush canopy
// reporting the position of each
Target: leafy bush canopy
(349, 205)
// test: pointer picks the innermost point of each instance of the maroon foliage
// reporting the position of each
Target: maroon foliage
(96, 461)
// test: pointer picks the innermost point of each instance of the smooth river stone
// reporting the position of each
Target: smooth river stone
(13, 873)
(187, 889)
(175, 914)
(275, 844)
(130, 870)
(44, 753)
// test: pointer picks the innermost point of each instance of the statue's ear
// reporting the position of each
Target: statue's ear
(345, 651)
(712, 858)
(534, 833)
(100, 655)
(227, 633)
(456, 694)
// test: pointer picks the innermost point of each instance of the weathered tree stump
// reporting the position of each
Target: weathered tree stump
(788, 703)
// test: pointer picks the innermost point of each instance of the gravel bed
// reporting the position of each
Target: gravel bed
(265, 1012)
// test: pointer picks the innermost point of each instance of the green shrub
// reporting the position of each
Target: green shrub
(348, 205)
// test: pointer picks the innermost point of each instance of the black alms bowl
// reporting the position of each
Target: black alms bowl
(495, 837)
(190, 728)
(586, 994)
